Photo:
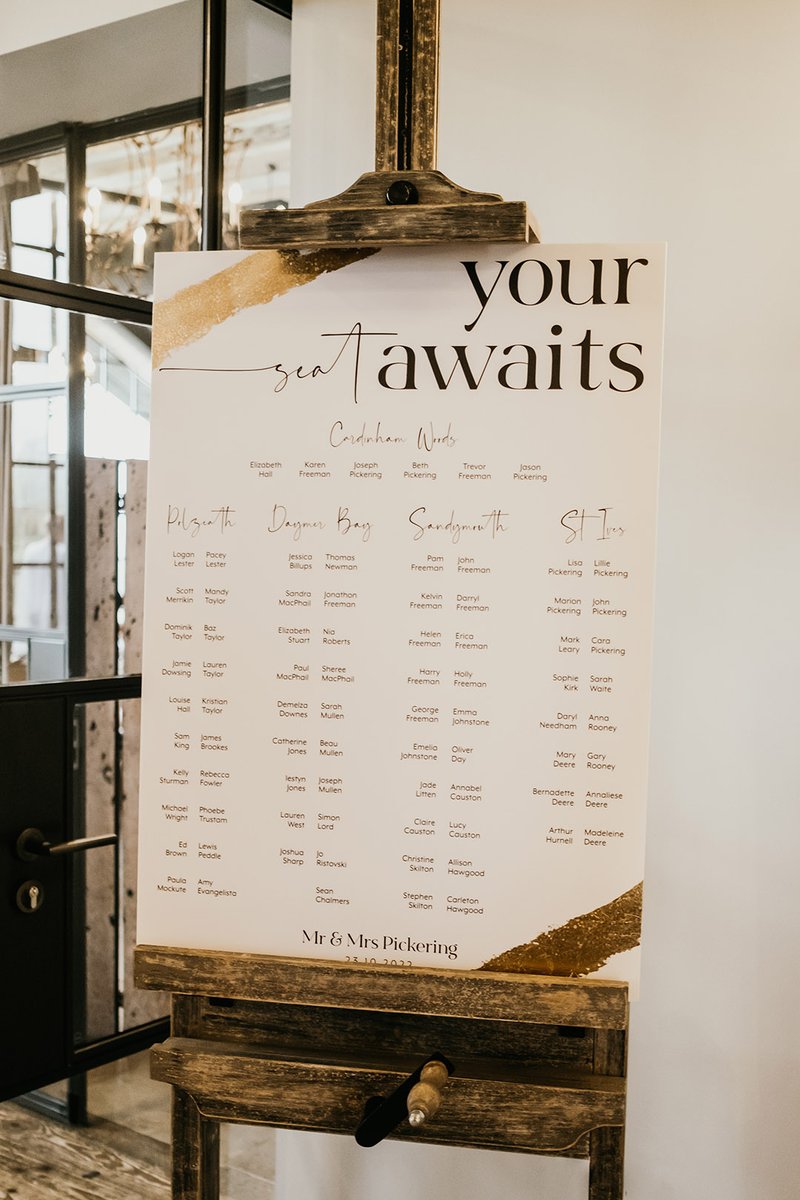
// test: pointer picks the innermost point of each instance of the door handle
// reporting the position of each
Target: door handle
(32, 844)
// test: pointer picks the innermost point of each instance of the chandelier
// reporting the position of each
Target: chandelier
(144, 196)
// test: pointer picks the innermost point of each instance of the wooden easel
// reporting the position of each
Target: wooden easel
(304, 1044)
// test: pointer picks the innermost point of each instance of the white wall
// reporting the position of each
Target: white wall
(636, 120)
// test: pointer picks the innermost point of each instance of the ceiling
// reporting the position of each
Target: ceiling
(25, 24)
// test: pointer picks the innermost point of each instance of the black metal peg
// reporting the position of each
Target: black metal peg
(383, 1114)
(402, 191)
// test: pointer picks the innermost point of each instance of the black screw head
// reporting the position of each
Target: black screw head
(402, 191)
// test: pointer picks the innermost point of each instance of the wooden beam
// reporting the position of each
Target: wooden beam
(438, 211)
(525, 1110)
(481, 994)
(424, 99)
(407, 85)
(387, 86)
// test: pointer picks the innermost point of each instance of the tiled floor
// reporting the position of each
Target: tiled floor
(124, 1154)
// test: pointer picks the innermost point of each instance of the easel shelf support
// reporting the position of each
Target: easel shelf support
(405, 200)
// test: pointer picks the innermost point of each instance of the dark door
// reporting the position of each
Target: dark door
(46, 1000)
(79, 225)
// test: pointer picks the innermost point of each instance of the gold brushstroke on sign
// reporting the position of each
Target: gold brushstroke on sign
(193, 311)
(582, 945)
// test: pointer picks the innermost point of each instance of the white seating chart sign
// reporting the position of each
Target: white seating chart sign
(398, 613)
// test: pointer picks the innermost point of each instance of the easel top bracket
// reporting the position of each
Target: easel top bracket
(405, 200)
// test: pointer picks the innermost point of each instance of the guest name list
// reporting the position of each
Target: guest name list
(401, 522)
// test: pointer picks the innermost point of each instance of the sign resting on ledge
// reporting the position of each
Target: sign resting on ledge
(398, 613)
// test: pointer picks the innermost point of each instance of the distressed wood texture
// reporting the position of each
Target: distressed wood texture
(517, 1109)
(608, 1145)
(300, 1031)
(195, 1139)
(302, 1044)
(424, 100)
(428, 991)
(42, 1159)
(434, 208)
(362, 216)
(406, 100)
(387, 86)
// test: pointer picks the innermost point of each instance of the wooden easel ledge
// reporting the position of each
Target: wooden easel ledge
(405, 199)
(487, 995)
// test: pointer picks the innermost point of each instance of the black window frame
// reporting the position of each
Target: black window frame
(78, 299)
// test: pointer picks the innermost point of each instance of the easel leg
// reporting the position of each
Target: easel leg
(195, 1151)
(605, 1164)
(607, 1146)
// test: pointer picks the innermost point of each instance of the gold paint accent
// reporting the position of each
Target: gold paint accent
(582, 945)
(262, 276)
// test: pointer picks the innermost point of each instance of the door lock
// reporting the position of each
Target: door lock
(30, 896)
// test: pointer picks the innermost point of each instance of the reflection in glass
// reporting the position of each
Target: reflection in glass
(144, 191)
(143, 196)
(106, 787)
(34, 391)
(256, 171)
(33, 216)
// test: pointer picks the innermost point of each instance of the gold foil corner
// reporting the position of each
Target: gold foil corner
(582, 945)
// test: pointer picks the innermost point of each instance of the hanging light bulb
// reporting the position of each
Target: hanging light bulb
(234, 203)
(92, 215)
(139, 239)
(154, 193)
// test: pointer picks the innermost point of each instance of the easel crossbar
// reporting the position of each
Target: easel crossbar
(484, 995)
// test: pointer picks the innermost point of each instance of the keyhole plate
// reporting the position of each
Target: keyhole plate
(30, 896)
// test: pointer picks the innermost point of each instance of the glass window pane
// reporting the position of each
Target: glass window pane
(256, 162)
(138, 1006)
(96, 894)
(144, 196)
(98, 73)
(117, 390)
(114, 387)
(143, 174)
(107, 785)
(29, 372)
(32, 219)
(32, 262)
(30, 430)
(33, 212)
(258, 51)
(258, 116)
(32, 326)
(38, 596)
